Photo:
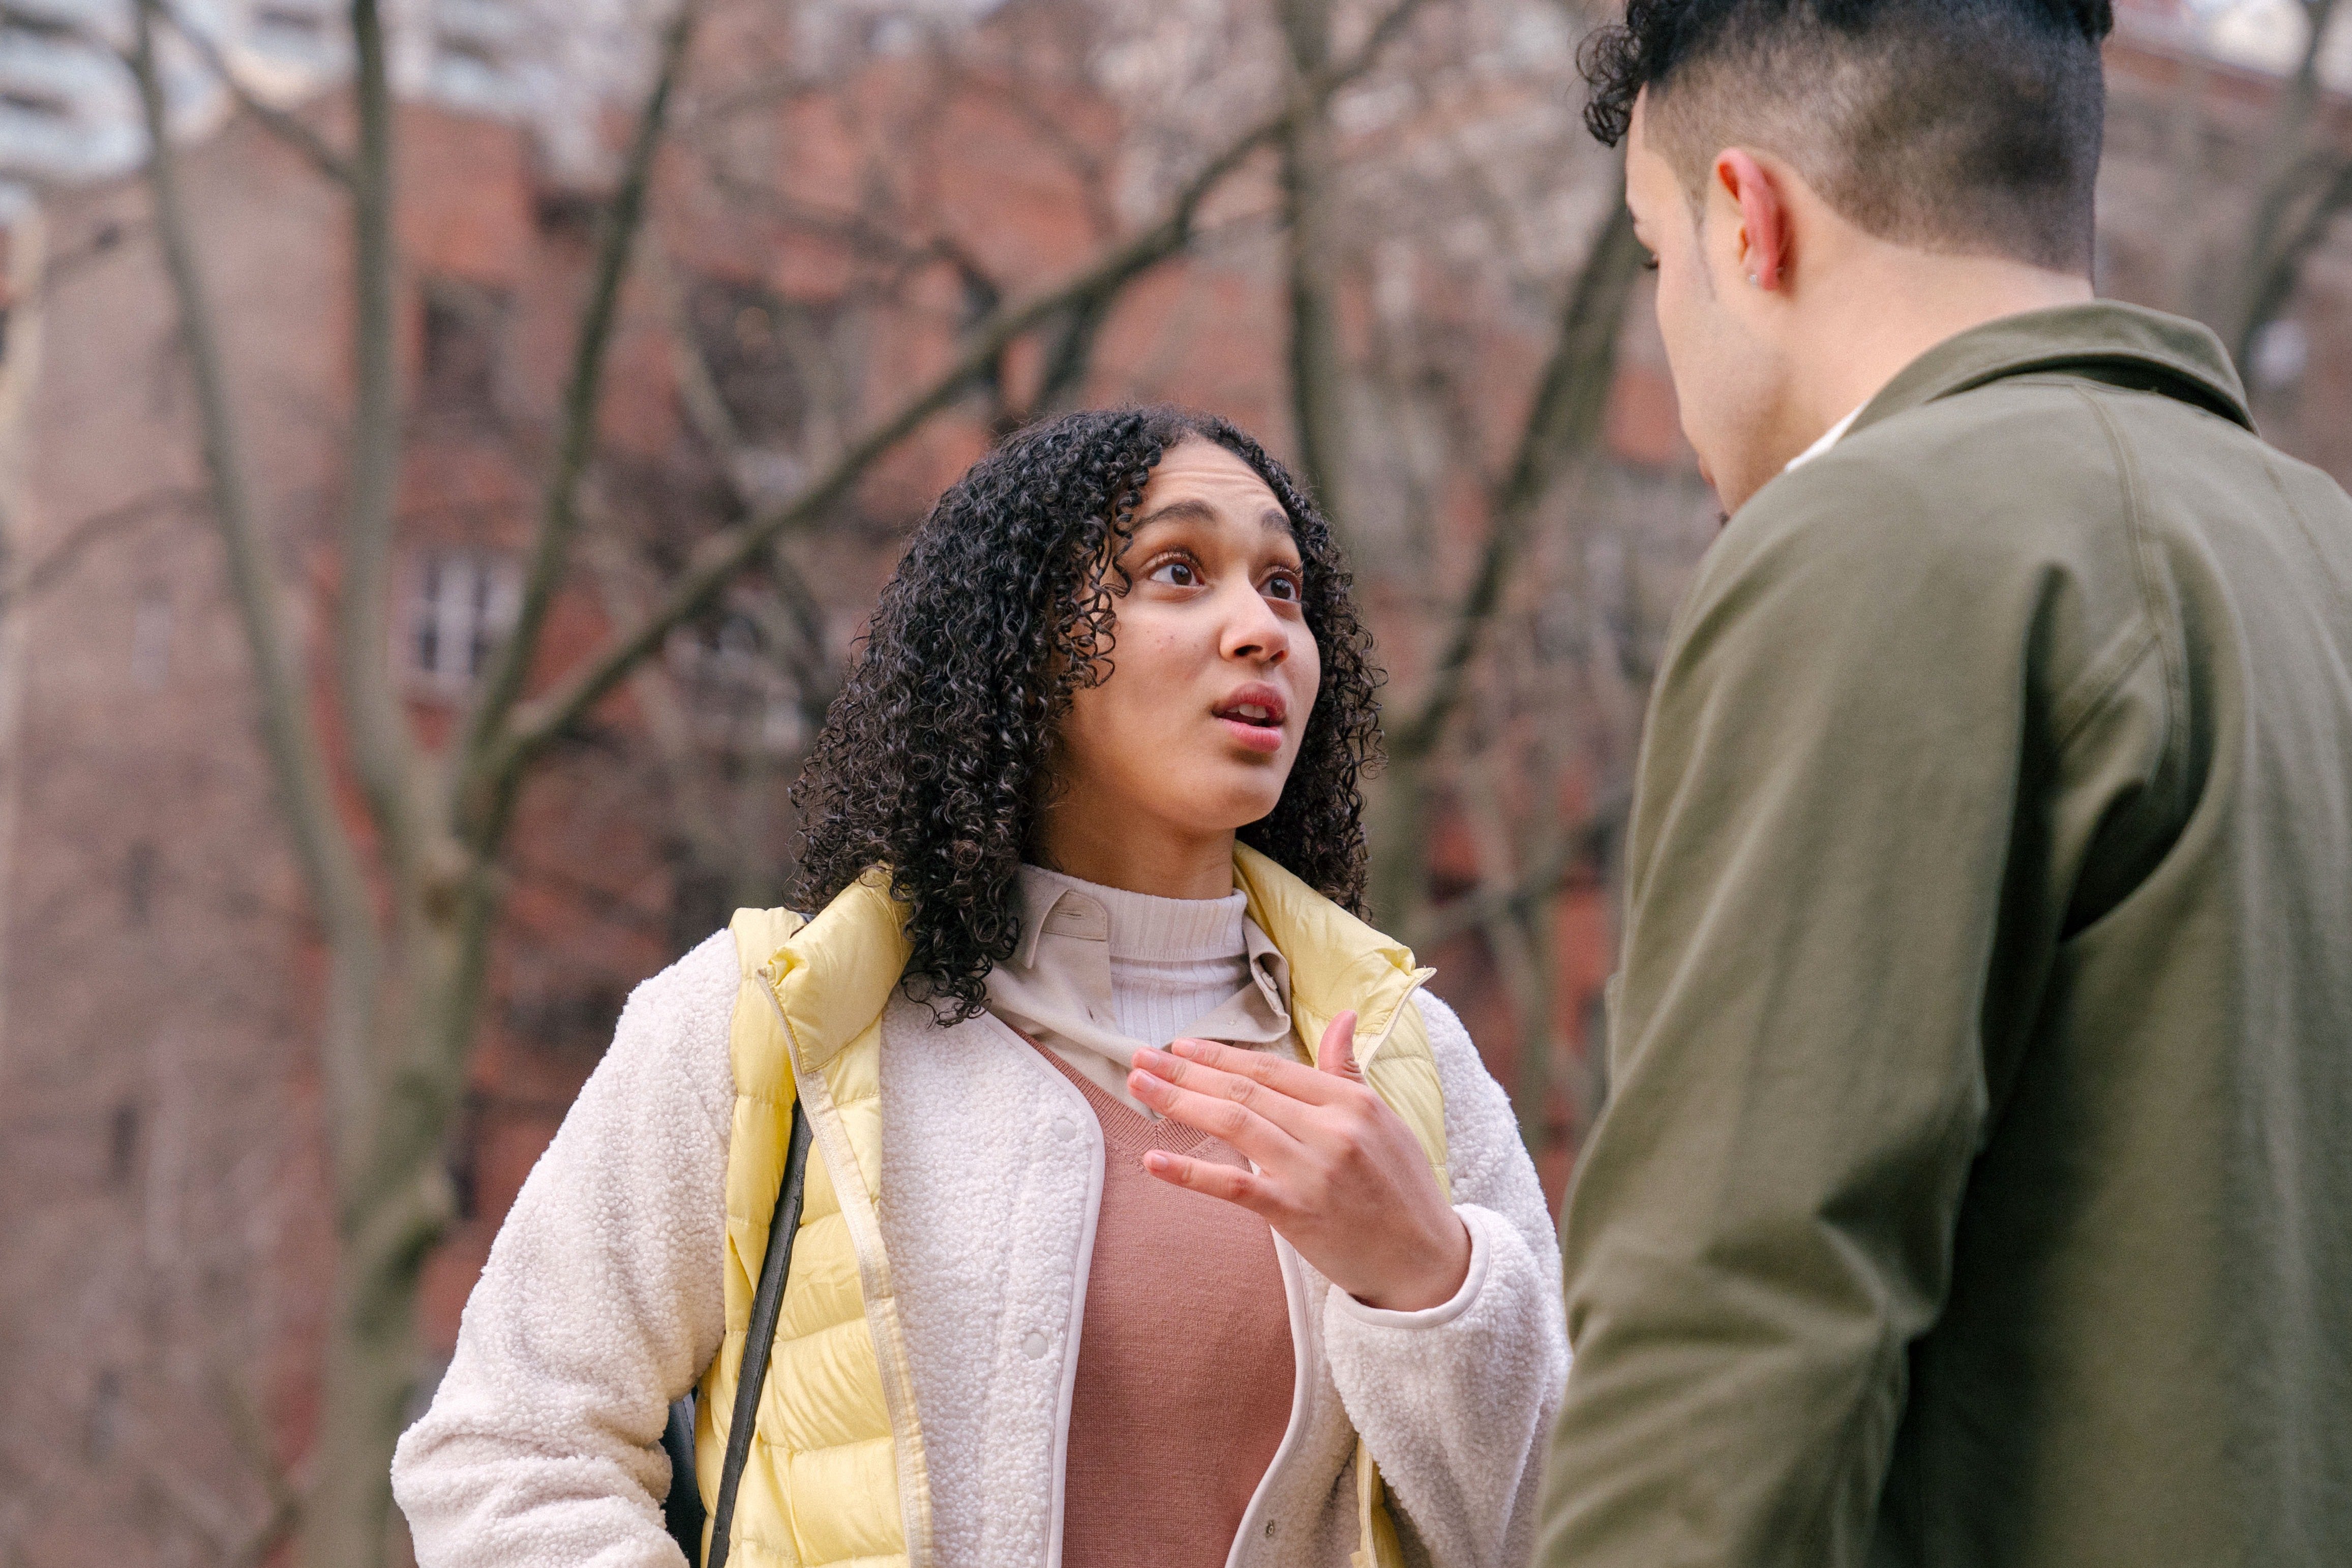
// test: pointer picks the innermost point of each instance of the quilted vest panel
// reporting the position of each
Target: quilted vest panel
(821, 1489)
(835, 1478)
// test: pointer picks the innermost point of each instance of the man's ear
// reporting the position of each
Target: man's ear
(1763, 241)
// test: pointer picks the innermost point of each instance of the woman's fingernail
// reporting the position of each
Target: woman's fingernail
(1156, 1160)
(1185, 1048)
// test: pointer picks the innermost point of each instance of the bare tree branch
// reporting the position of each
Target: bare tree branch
(1069, 358)
(284, 124)
(707, 411)
(1517, 934)
(538, 723)
(62, 556)
(560, 512)
(382, 747)
(2313, 201)
(1544, 875)
(1563, 424)
(2292, 169)
(290, 737)
(1317, 371)
(251, 1435)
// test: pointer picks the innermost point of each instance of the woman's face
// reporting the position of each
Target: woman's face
(1213, 672)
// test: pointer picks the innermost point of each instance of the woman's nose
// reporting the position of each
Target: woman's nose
(1254, 631)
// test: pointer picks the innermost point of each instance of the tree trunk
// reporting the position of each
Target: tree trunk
(1563, 424)
(1317, 373)
(371, 1376)
(393, 1204)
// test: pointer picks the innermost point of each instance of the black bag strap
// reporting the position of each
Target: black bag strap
(682, 1514)
(758, 1343)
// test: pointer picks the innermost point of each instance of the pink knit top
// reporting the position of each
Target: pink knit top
(1185, 1362)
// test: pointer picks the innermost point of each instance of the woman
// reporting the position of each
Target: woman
(1155, 1216)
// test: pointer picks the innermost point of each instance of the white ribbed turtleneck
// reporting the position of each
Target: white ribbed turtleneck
(1172, 960)
(1101, 970)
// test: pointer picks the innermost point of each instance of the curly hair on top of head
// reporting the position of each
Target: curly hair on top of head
(1655, 37)
(933, 758)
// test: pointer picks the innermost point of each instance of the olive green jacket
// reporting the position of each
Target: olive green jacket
(1976, 1187)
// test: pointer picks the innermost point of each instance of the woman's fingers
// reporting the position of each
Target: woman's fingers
(1293, 1079)
(1337, 1056)
(1246, 1114)
(1230, 1183)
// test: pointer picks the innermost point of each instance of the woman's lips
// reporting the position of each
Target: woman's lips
(1254, 714)
(1267, 737)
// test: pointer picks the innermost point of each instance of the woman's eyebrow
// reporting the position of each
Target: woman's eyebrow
(1186, 511)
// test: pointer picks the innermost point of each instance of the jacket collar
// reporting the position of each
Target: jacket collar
(1337, 961)
(833, 976)
(2122, 345)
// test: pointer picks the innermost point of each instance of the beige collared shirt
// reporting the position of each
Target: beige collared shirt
(1058, 988)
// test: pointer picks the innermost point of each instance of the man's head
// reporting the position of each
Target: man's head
(1801, 168)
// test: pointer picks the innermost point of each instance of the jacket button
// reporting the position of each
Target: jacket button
(1033, 1346)
(1065, 1129)
(1269, 1529)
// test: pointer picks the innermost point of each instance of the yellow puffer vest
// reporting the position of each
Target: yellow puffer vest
(835, 1478)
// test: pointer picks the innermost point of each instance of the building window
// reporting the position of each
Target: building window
(105, 1426)
(30, 24)
(747, 336)
(33, 101)
(297, 21)
(743, 699)
(2281, 354)
(464, 329)
(139, 867)
(464, 602)
(122, 1143)
(150, 642)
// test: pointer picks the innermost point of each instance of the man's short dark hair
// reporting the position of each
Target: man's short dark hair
(1963, 126)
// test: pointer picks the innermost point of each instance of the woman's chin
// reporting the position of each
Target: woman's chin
(1211, 810)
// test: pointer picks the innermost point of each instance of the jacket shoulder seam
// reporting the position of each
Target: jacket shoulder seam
(2144, 573)
(2101, 681)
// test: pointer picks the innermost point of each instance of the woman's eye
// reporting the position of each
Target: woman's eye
(1176, 575)
(1283, 586)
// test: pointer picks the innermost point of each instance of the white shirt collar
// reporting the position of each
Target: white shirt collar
(1827, 441)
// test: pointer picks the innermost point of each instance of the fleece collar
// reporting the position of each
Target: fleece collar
(835, 974)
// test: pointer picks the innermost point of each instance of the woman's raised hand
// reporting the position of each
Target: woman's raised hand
(1338, 1173)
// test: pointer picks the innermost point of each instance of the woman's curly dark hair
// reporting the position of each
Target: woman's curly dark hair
(932, 757)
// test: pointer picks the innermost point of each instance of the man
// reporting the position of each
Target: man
(1977, 1185)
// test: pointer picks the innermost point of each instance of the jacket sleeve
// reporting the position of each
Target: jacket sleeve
(601, 1303)
(1454, 1401)
(1821, 872)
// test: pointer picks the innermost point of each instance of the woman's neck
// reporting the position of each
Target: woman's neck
(1096, 848)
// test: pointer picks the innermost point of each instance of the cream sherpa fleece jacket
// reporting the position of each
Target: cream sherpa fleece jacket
(601, 1303)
